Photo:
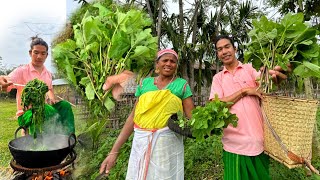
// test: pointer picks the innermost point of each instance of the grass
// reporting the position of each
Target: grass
(8, 126)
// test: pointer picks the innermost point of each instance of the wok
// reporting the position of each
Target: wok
(44, 151)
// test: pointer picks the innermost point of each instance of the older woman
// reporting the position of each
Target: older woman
(157, 152)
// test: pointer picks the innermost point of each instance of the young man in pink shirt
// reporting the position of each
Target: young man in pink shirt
(243, 145)
(35, 70)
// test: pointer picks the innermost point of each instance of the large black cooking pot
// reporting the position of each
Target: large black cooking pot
(44, 151)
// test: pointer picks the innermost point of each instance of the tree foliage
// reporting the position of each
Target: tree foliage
(310, 8)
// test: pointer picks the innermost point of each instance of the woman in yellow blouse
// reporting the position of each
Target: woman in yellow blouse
(157, 152)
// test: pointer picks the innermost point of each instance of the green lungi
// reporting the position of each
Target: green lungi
(240, 167)
(59, 119)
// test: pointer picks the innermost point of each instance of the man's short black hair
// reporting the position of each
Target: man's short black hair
(223, 37)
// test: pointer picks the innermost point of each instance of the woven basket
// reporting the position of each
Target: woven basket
(293, 120)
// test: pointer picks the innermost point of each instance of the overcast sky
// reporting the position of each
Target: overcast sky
(21, 19)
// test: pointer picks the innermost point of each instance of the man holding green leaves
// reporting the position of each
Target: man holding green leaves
(243, 155)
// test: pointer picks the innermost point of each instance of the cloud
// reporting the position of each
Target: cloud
(22, 19)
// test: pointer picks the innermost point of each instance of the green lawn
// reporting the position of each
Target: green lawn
(8, 126)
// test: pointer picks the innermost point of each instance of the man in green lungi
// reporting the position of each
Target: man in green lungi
(243, 155)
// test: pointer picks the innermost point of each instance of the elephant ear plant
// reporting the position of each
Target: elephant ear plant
(103, 45)
(290, 41)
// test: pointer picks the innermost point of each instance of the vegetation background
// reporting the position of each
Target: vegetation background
(191, 32)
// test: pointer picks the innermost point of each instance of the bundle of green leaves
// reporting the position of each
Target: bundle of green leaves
(33, 96)
(290, 41)
(209, 120)
(103, 45)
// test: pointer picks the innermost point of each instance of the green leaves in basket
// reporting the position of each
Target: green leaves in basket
(182, 120)
(209, 120)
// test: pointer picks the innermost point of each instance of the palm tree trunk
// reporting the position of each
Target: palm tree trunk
(159, 21)
(181, 27)
(222, 3)
(194, 42)
(151, 16)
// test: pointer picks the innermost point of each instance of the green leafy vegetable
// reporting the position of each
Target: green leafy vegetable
(106, 43)
(290, 41)
(33, 96)
(209, 120)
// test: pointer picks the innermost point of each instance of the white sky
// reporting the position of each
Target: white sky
(21, 19)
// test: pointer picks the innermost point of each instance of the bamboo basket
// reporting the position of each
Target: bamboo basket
(293, 120)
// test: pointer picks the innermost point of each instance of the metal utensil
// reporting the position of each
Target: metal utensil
(16, 84)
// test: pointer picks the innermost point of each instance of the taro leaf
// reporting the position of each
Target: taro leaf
(64, 50)
(310, 51)
(316, 61)
(141, 37)
(295, 31)
(103, 11)
(91, 30)
(89, 91)
(120, 45)
(69, 46)
(78, 36)
(135, 21)
(84, 81)
(307, 34)
(69, 71)
(140, 51)
(220, 124)
(273, 34)
(108, 103)
(84, 56)
(290, 19)
(307, 42)
(93, 47)
(263, 24)
(314, 69)
(121, 19)
(307, 69)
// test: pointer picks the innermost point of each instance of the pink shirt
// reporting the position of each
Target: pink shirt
(247, 137)
(24, 74)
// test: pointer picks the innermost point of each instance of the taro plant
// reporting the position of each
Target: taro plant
(290, 41)
(106, 44)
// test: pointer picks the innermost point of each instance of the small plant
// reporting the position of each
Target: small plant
(209, 120)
